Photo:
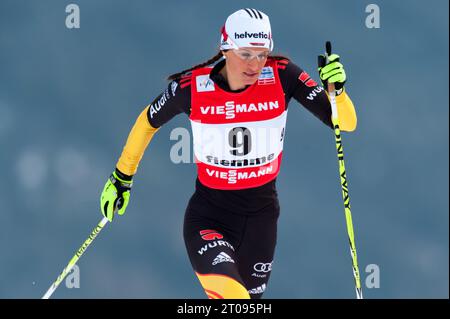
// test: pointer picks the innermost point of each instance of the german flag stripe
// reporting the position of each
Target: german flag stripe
(218, 286)
(213, 294)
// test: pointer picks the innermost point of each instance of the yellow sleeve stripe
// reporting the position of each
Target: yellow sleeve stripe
(138, 139)
(346, 112)
(222, 287)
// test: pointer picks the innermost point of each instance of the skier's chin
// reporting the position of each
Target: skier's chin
(249, 80)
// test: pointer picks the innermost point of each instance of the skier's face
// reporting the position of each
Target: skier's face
(244, 66)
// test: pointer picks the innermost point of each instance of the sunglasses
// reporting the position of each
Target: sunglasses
(247, 55)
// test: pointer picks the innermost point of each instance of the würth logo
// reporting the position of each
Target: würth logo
(210, 234)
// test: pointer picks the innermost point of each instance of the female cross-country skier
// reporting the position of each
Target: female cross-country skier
(237, 105)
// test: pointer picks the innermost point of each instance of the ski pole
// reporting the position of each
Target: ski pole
(75, 258)
(344, 183)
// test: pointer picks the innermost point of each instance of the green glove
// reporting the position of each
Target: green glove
(115, 195)
(332, 72)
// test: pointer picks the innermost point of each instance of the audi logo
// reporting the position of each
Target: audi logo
(263, 267)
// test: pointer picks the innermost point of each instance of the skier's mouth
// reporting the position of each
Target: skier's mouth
(251, 74)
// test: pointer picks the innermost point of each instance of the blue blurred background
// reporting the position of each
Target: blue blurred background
(68, 98)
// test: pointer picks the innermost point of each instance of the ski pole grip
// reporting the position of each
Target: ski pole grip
(328, 53)
(328, 47)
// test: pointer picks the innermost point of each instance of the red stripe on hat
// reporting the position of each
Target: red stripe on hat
(224, 33)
